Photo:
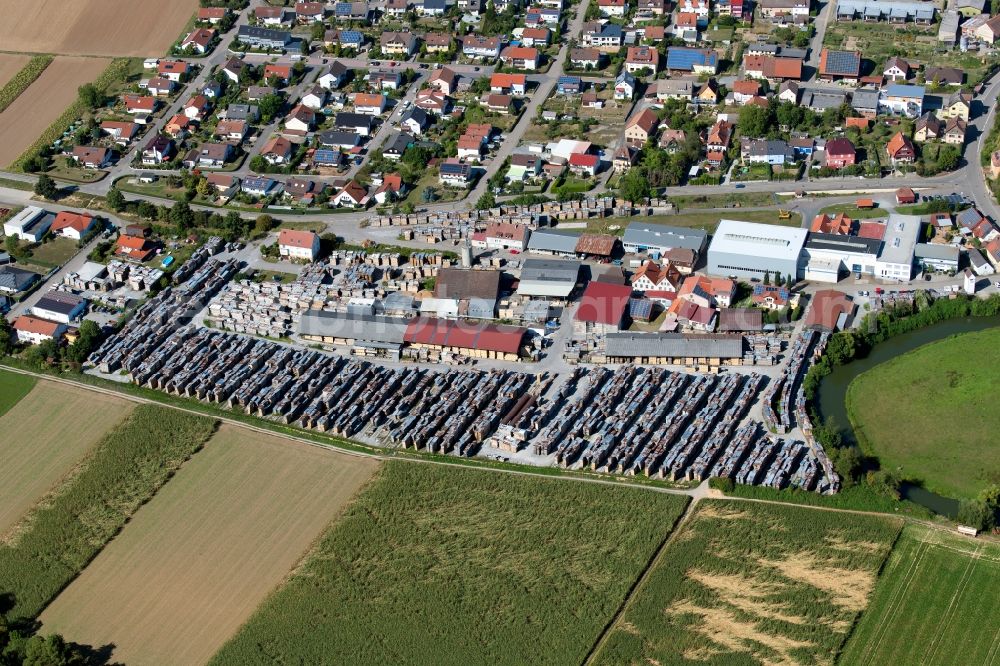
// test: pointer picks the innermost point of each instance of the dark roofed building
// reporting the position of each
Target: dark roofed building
(462, 283)
(739, 320)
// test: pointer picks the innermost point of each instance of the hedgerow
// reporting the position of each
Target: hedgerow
(17, 85)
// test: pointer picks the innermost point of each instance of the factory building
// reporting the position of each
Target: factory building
(895, 261)
(829, 257)
(751, 250)
(550, 278)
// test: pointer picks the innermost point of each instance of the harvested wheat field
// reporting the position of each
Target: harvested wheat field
(44, 436)
(44, 101)
(94, 27)
(10, 65)
(195, 562)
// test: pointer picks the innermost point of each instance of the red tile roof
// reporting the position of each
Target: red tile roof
(603, 303)
(295, 238)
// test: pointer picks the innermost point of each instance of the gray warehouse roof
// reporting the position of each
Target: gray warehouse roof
(367, 328)
(936, 251)
(550, 270)
(758, 240)
(673, 345)
(661, 235)
(547, 240)
(900, 238)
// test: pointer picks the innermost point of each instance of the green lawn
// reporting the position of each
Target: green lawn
(745, 583)
(55, 252)
(856, 213)
(452, 566)
(13, 387)
(748, 199)
(930, 413)
(935, 603)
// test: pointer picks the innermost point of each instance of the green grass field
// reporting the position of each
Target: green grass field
(451, 566)
(745, 583)
(853, 212)
(125, 470)
(13, 387)
(930, 413)
(935, 603)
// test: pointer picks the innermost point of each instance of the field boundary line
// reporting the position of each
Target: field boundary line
(994, 649)
(640, 582)
(959, 590)
(871, 649)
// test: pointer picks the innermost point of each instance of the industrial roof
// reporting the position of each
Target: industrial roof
(660, 235)
(353, 326)
(550, 270)
(674, 345)
(741, 319)
(460, 283)
(828, 310)
(603, 303)
(548, 240)
(62, 302)
(936, 251)
(900, 238)
(449, 333)
(842, 243)
(758, 240)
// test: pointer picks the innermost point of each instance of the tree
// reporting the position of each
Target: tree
(87, 341)
(202, 187)
(258, 164)
(976, 513)
(90, 95)
(486, 201)
(6, 337)
(263, 224)
(182, 216)
(269, 106)
(767, 277)
(115, 199)
(318, 31)
(46, 187)
(634, 186)
(755, 121)
(428, 194)
(234, 225)
(840, 349)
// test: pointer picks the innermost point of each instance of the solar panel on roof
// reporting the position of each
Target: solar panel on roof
(842, 62)
(640, 308)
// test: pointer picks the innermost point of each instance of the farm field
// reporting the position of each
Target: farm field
(13, 387)
(94, 27)
(934, 604)
(457, 566)
(929, 413)
(195, 562)
(60, 537)
(751, 583)
(44, 438)
(44, 101)
(10, 65)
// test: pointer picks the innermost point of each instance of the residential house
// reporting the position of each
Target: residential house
(840, 152)
(432, 101)
(625, 86)
(369, 104)
(569, 85)
(771, 297)
(437, 42)
(352, 195)
(641, 128)
(278, 150)
(697, 61)
(718, 136)
(390, 189)
(396, 8)
(744, 91)
(309, 12)
(896, 69)
(612, 7)
(843, 66)
(775, 152)
(956, 105)
(672, 140)
(158, 149)
(261, 186)
(72, 225)
(140, 104)
(954, 131)
(335, 76)
(443, 80)
(120, 132)
(584, 164)
(197, 108)
(357, 123)
(508, 84)
(902, 99)
(624, 158)
(640, 58)
(212, 15)
(414, 121)
(300, 245)
(300, 119)
(652, 277)
(232, 130)
(520, 57)
(788, 91)
(900, 150)
(535, 37)
(607, 37)
(945, 76)
(160, 87)
(454, 173)
(524, 166)
(477, 46)
(682, 89)
(278, 72)
(398, 43)
(175, 70)
(214, 155)
(928, 127)
(35, 330)
(432, 7)
(264, 38)
(866, 102)
(268, 15)
(91, 157)
(199, 40)
(234, 69)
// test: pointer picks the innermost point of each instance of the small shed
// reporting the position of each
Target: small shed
(905, 195)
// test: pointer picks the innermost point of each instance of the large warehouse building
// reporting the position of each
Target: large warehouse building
(831, 256)
(751, 250)
(658, 239)
(552, 278)
(895, 261)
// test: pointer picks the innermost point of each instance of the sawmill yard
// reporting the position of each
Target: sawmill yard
(44, 439)
(194, 563)
(93, 27)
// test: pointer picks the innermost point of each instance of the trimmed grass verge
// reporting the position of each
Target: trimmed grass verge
(124, 472)
(448, 566)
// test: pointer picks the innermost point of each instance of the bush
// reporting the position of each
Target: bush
(722, 483)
